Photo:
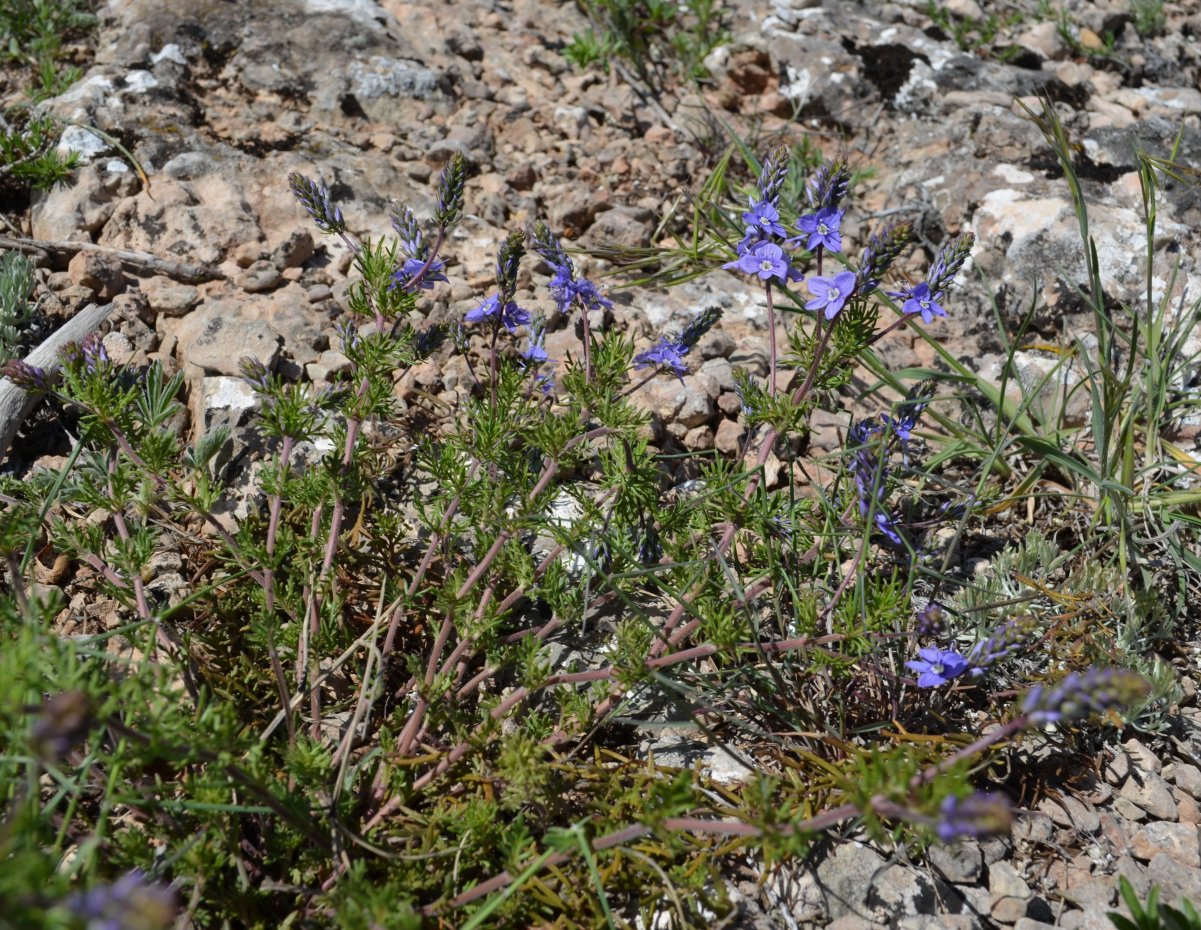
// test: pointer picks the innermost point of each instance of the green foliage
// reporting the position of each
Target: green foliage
(395, 690)
(656, 37)
(27, 151)
(16, 287)
(972, 34)
(32, 33)
(1152, 915)
(1149, 17)
(36, 28)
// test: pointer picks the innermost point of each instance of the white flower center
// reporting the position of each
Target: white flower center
(765, 265)
(832, 294)
(924, 304)
(823, 229)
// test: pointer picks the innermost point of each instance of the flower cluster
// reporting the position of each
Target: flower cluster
(89, 355)
(923, 298)
(315, 200)
(29, 377)
(669, 352)
(869, 469)
(1080, 693)
(763, 249)
(881, 251)
(566, 288)
(419, 270)
(451, 183)
(761, 252)
(500, 309)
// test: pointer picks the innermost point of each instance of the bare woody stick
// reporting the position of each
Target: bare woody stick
(16, 402)
(43, 249)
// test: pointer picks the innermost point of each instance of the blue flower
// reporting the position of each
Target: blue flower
(866, 466)
(766, 259)
(763, 219)
(567, 289)
(535, 352)
(822, 228)
(664, 354)
(886, 525)
(937, 666)
(831, 294)
(920, 300)
(411, 266)
(510, 316)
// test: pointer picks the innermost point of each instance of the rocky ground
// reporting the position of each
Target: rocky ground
(206, 107)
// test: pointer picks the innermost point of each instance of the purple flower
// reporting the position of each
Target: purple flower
(412, 266)
(664, 354)
(255, 373)
(510, 316)
(1078, 694)
(937, 666)
(129, 903)
(902, 427)
(920, 300)
(23, 375)
(766, 259)
(978, 815)
(822, 228)
(763, 219)
(831, 294)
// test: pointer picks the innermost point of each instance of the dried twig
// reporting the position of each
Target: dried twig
(180, 271)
